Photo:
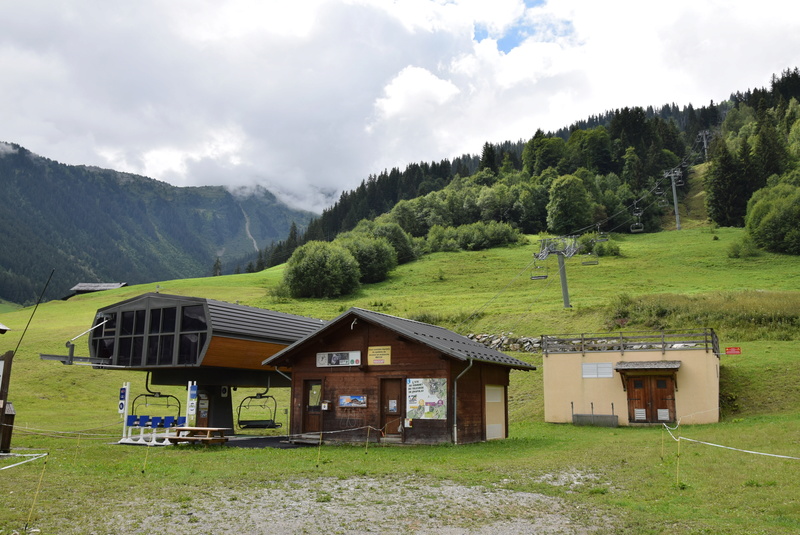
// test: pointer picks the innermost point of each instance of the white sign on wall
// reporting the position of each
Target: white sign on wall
(338, 358)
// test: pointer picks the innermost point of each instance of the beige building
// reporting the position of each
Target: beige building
(632, 378)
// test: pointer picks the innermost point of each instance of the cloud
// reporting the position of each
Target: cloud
(308, 98)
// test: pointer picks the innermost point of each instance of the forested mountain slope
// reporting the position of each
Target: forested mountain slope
(99, 225)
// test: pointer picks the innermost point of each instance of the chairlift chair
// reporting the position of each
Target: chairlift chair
(601, 236)
(637, 227)
(163, 400)
(263, 401)
(591, 260)
(537, 276)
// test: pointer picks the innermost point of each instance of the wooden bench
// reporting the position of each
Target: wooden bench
(199, 435)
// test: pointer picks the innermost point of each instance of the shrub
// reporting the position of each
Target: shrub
(375, 256)
(773, 218)
(322, 269)
(472, 237)
(394, 233)
(743, 248)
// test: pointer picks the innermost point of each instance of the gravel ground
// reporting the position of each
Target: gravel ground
(359, 505)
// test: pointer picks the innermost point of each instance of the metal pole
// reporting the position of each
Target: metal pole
(675, 201)
(562, 272)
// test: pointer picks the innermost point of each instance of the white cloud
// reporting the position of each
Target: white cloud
(414, 92)
(308, 98)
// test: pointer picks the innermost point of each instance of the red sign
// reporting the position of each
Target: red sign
(733, 350)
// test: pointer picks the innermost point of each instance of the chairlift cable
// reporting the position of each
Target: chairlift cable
(490, 301)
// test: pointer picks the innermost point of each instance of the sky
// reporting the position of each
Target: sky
(307, 98)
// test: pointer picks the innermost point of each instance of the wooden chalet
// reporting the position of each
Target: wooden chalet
(376, 377)
(180, 339)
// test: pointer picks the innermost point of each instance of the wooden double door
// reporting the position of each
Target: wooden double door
(651, 399)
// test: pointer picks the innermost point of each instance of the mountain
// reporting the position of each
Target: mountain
(99, 225)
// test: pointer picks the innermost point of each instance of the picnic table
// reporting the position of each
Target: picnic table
(200, 435)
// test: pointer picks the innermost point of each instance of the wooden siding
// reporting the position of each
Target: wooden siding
(409, 360)
(226, 352)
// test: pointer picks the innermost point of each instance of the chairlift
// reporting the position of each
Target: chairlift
(601, 236)
(591, 260)
(662, 202)
(263, 403)
(658, 189)
(537, 276)
(637, 211)
(637, 227)
(164, 399)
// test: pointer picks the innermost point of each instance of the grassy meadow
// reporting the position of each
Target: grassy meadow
(640, 478)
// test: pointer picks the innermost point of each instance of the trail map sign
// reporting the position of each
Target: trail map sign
(426, 399)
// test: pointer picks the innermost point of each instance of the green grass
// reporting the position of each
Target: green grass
(635, 476)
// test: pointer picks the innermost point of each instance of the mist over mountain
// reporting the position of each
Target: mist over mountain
(100, 225)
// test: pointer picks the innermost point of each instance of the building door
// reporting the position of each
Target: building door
(312, 406)
(495, 412)
(392, 407)
(651, 399)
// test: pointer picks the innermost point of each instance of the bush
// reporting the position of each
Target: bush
(589, 244)
(375, 256)
(473, 237)
(744, 248)
(321, 269)
(773, 218)
(394, 233)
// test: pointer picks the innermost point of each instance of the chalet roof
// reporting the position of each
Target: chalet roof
(447, 342)
(3, 329)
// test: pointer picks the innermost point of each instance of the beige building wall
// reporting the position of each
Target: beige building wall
(567, 391)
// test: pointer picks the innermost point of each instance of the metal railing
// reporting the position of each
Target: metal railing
(678, 340)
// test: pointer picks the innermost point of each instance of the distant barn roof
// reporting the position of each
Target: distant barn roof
(447, 342)
(84, 287)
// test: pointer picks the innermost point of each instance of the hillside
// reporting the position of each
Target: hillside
(681, 278)
(99, 225)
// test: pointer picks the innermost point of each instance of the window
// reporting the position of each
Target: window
(597, 370)
(151, 336)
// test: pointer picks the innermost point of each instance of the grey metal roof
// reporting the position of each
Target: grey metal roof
(449, 343)
(648, 365)
(254, 322)
(236, 321)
